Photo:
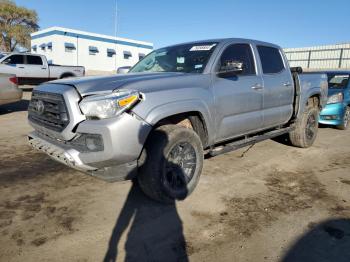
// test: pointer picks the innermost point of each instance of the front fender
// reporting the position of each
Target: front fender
(157, 113)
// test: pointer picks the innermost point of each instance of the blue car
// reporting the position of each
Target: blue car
(337, 110)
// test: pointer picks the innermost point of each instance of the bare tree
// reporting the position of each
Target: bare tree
(16, 25)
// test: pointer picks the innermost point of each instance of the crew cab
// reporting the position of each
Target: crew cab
(33, 69)
(177, 104)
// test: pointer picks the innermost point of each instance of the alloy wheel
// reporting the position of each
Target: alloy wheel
(311, 126)
(180, 166)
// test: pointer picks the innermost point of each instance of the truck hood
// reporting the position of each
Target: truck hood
(142, 82)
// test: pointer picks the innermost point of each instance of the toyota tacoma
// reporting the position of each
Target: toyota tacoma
(179, 103)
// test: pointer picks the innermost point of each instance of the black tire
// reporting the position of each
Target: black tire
(161, 174)
(306, 127)
(346, 119)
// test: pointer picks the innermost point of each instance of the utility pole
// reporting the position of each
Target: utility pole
(115, 33)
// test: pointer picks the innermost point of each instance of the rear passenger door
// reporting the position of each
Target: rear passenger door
(278, 87)
(238, 99)
(35, 70)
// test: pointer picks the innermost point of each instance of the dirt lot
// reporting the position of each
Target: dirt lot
(274, 203)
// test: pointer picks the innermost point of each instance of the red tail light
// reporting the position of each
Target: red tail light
(14, 80)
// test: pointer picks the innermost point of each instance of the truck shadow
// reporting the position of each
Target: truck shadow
(328, 241)
(283, 139)
(14, 107)
(155, 231)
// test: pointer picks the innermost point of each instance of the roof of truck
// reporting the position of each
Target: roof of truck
(227, 40)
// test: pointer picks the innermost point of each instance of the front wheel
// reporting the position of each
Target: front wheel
(171, 163)
(346, 119)
(306, 128)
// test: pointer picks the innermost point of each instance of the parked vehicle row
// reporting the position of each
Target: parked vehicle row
(178, 103)
(9, 91)
(33, 69)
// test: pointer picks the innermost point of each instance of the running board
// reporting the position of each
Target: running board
(248, 141)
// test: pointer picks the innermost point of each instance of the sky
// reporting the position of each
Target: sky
(293, 23)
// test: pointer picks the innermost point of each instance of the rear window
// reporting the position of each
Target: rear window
(34, 60)
(271, 59)
(337, 81)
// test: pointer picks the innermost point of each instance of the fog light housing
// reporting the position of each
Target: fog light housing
(93, 143)
(88, 143)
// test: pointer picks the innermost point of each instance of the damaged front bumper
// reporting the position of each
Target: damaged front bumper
(122, 141)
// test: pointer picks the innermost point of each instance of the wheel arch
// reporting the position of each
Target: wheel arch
(191, 119)
(193, 110)
(67, 74)
(312, 95)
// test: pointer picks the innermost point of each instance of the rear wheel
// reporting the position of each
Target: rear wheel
(306, 127)
(346, 119)
(171, 163)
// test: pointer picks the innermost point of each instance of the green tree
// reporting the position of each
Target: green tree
(16, 25)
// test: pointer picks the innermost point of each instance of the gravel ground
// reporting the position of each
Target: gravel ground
(273, 203)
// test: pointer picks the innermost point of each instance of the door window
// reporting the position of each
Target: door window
(14, 60)
(34, 60)
(271, 60)
(239, 53)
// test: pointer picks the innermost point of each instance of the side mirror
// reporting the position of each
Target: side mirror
(230, 68)
(123, 70)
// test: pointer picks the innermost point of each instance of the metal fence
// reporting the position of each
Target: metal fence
(320, 57)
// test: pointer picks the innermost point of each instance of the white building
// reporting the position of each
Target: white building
(95, 52)
(320, 57)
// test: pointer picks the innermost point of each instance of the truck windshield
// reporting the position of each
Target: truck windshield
(338, 81)
(187, 58)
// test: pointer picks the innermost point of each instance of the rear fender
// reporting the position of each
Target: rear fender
(305, 97)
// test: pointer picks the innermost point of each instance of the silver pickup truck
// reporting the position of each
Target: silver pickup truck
(32, 69)
(179, 103)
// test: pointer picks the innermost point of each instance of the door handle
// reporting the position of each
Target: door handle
(286, 84)
(43, 68)
(21, 67)
(257, 87)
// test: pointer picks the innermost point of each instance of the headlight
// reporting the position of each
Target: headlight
(106, 106)
(337, 98)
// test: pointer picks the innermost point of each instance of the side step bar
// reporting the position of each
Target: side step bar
(248, 141)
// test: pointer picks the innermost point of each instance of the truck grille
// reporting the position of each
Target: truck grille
(48, 110)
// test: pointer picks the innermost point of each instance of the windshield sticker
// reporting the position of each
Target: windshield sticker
(341, 76)
(202, 47)
(198, 66)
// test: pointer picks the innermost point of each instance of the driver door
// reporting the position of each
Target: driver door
(239, 98)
